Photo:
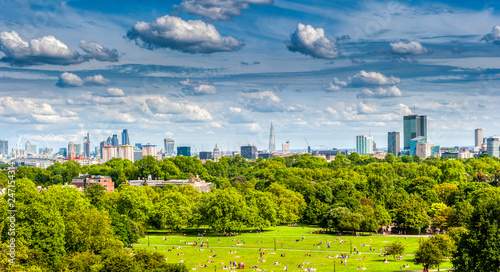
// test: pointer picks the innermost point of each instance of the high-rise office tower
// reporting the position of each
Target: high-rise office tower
(28, 147)
(184, 151)
(86, 146)
(114, 140)
(364, 144)
(414, 142)
(249, 152)
(479, 137)
(493, 146)
(125, 139)
(78, 149)
(285, 148)
(393, 144)
(63, 152)
(71, 150)
(414, 126)
(4, 147)
(169, 146)
(272, 143)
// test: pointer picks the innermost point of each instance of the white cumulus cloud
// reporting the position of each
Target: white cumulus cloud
(177, 111)
(218, 9)
(265, 101)
(408, 48)
(115, 92)
(72, 80)
(98, 52)
(194, 87)
(313, 42)
(381, 92)
(364, 78)
(45, 50)
(493, 36)
(193, 36)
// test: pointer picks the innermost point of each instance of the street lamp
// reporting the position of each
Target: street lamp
(275, 243)
(351, 245)
(148, 239)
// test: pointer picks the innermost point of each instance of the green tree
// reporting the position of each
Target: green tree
(478, 250)
(412, 214)
(395, 249)
(290, 203)
(428, 254)
(224, 210)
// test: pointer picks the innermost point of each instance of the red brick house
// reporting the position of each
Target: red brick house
(86, 181)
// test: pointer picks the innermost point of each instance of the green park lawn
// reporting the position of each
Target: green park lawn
(248, 245)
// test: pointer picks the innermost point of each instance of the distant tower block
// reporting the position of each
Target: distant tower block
(272, 142)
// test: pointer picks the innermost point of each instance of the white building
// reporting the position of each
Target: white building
(285, 147)
(108, 153)
(126, 152)
(423, 150)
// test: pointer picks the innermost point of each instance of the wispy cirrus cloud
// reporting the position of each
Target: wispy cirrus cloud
(218, 9)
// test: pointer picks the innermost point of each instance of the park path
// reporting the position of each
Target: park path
(267, 249)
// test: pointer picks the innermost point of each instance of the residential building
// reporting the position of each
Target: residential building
(126, 152)
(414, 126)
(149, 150)
(197, 183)
(184, 151)
(393, 143)
(87, 181)
(249, 152)
(108, 152)
(364, 145)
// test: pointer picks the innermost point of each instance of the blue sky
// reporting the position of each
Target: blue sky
(219, 71)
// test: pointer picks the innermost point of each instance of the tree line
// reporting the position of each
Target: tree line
(60, 228)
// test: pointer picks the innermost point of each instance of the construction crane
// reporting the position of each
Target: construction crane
(308, 146)
(45, 140)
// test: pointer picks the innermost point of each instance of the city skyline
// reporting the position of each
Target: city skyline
(362, 66)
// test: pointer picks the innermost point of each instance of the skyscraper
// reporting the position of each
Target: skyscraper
(86, 146)
(414, 126)
(71, 150)
(4, 147)
(78, 149)
(364, 144)
(125, 139)
(479, 137)
(493, 146)
(169, 146)
(30, 148)
(393, 144)
(272, 143)
(114, 140)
